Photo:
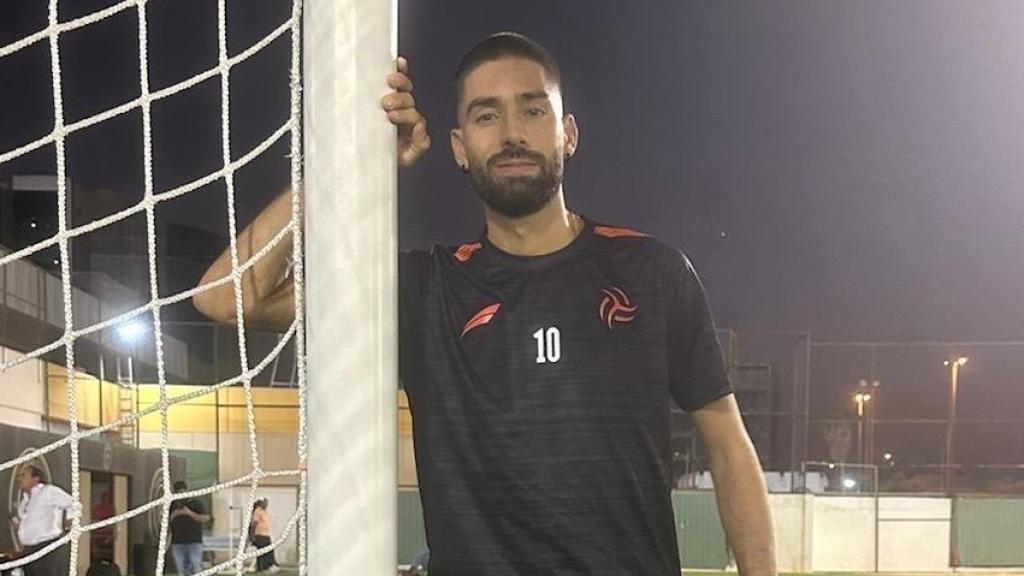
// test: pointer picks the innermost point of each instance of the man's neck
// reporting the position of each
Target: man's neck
(548, 230)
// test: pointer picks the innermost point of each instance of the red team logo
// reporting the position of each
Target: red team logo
(616, 307)
(480, 318)
(465, 252)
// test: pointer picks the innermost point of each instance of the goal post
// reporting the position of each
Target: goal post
(344, 220)
(350, 278)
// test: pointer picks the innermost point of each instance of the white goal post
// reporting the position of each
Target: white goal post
(351, 277)
(343, 175)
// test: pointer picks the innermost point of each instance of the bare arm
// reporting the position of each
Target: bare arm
(739, 487)
(267, 290)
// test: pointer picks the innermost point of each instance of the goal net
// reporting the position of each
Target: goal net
(341, 152)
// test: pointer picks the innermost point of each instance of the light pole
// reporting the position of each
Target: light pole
(861, 399)
(870, 387)
(954, 380)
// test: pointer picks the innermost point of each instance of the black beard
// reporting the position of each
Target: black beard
(518, 196)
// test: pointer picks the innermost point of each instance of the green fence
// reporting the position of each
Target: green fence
(988, 532)
(411, 537)
(699, 532)
(698, 529)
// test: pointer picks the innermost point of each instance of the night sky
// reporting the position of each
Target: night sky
(849, 168)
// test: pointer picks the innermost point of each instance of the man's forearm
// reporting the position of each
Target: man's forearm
(266, 278)
(268, 273)
(743, 506)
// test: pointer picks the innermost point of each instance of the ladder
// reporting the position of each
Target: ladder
(126, 399)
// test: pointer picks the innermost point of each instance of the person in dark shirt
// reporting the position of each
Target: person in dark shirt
(186, 523)
(541, 358)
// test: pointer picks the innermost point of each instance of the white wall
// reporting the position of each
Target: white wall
(824, 533)
(843, 535)
(793, 516)
(230, 514)
(22, 392)
(406, 462)
(913, 534)
(276, 452)
(180, 440)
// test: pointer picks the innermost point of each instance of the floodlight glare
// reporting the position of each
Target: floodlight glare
(131, 331)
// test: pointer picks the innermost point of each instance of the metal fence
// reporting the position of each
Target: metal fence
(934, 417)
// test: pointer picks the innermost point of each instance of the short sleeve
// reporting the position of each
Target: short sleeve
(697, 374)
(413, 275)
(58, 498)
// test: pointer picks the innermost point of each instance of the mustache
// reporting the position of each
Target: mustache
(516, 154)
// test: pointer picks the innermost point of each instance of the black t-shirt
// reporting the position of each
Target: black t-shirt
(540, 390)
(185, 530)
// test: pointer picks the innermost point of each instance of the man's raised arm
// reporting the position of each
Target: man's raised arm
(267, 289)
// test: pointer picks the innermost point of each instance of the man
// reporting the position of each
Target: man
(540, 360)
(42, 514)
(186, 519)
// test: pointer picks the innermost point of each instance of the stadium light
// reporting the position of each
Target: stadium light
(130, 332)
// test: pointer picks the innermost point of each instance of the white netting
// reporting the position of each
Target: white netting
(65, 232)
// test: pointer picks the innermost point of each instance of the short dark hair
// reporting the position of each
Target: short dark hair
(506, 45)
(33, 470)
(180, 486)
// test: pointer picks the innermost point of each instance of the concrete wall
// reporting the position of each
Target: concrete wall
(180, 440)
(276, 451)
(793, 518)
(843, 534)
(22, 392)
(230, 513)
(837, 533)
(914, 534)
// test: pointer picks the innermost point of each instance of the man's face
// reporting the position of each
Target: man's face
(512, 135)
(28, 481)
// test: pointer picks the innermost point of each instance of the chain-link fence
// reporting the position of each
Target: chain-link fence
(936, 417)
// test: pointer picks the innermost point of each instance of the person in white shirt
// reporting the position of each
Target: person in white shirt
(42, 513)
